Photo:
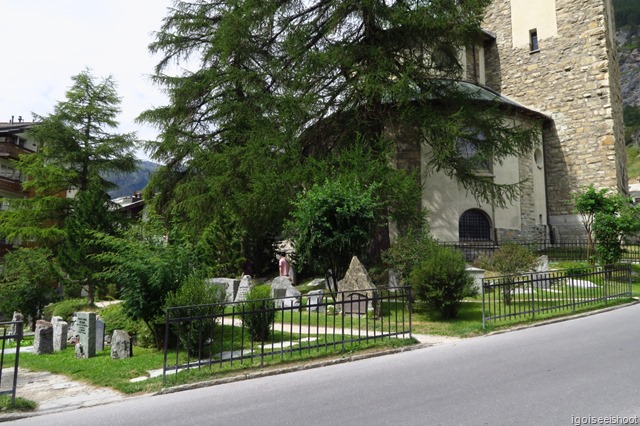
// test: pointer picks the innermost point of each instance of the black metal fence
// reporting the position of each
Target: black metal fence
(526, 295)
(576, 251)
(208, 336)
(11, 330)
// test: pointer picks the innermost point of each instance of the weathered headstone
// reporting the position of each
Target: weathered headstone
(356, 280)
(73, 329)
(120, 344)
(478, 275)
(542, 276)
(229, 285)
(43, 338)
(355, 303)
(314, 301)
(60, 331)
(100, 326)
(393, 280)
(288, 296)
(17, 317)
(86, 337)
(243, 289)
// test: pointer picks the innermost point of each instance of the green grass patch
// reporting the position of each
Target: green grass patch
(100, 370)
(103, 371)
(21, 404)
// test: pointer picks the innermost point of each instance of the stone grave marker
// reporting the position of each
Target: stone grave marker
(288, 295)
(17, 316)
(120, 345)
(355, 303)
(356, 281)
(86, 335)
(243, 289)
(229, 285)
(314, 301)
(100, 326)
(393, 280)
(43, 338)
(60, 333)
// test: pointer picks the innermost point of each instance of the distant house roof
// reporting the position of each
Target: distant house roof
(10, 128)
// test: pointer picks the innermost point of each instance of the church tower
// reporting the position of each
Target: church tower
(559, 57)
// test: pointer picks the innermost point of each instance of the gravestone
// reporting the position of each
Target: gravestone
(100, 326)
(288, 296)
(393, 280)
(17, 316)
(43, 338)
(86, 335)
(229, 285)
(120, 344)
(478, 275)
(356, 280)
(542, 275)
(73, 328)
(355, 303)
(60, 334)
(314, 301)
(243, 289)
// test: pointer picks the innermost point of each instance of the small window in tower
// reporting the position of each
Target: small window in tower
(533, 40)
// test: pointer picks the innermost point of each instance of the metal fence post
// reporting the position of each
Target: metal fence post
(483, 304)
(533, 303)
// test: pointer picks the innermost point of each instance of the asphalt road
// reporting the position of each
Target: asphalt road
(557, 374)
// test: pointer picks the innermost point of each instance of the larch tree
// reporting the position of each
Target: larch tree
(273, 89)
(77, 146)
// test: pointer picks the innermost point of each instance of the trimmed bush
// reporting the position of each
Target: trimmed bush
(203, 301)
(259, 313)
(66, 309)
(441, 281)
(115, 318)
(509, 259)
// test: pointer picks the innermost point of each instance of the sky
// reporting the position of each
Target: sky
(46, 42)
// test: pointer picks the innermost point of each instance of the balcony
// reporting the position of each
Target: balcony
(11, 150)
(10, 185)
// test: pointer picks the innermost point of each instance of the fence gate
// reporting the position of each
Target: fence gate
(11, 330)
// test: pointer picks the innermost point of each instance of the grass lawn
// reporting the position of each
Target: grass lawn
(101, 370)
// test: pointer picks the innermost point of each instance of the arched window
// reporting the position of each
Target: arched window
(474, 225)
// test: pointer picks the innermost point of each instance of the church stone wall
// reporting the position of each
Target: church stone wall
(574, 79)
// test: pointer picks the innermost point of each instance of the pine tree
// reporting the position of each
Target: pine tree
(75, 149)
(291, 83)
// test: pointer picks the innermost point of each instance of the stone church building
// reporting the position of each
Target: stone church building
(555, 63)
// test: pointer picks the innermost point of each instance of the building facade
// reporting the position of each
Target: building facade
(559, 57)
(14, 141)
(556, 63)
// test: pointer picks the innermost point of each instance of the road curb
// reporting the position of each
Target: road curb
(284, 370)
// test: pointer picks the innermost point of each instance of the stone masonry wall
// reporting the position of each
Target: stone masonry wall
(573, 78)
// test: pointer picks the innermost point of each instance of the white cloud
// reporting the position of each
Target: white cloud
(45, 42)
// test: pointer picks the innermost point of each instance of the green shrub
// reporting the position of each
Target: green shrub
(258, 313)
(510, 258)
(203, 301)
(441, 281)
(66, 309)
(115, 318)
(408, 251)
